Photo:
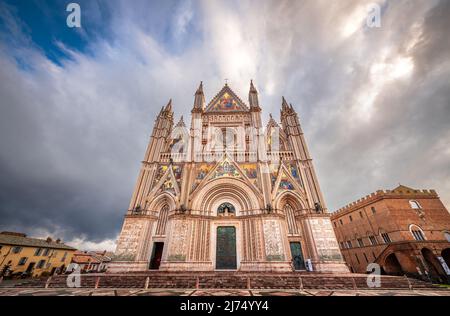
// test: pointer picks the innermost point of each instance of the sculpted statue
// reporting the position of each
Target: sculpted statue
(318, 208)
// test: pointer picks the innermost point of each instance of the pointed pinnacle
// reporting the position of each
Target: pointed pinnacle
(284, 104)
(200, 88)
(169, 106)
(181, 122)
(252, 87)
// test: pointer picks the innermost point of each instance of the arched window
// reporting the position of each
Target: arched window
(290, 219)
(162, 221)
(447, 236)
(226, 209)
(417, 232)
(414, 205)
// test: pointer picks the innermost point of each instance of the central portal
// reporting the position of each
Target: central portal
(226, 248)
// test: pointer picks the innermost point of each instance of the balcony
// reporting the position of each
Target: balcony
(238, 156)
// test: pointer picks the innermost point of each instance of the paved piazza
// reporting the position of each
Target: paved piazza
(225, 292)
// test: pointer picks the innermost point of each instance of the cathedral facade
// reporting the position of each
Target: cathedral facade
(227, 193)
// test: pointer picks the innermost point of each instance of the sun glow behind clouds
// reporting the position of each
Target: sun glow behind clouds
(354, 22)
(381, 73)
(400, 68)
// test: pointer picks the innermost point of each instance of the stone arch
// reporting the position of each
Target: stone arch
(434, 267)
(292, 198)
(158, 202)
(391, 265)
(222, 190)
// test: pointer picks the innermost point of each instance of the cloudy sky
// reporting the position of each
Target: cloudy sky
(77, 105)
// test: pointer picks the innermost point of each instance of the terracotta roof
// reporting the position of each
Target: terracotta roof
(90, 257)
(84, 258)
(16, 240)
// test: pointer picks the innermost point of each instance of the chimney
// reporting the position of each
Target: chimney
(58, 241)
(49, 240)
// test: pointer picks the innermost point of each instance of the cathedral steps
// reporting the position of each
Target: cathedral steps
(227, 280)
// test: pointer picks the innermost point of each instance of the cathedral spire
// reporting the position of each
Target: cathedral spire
(272, 122)
(199, 101)
(253, 97)
(284, 104)
(181, 122)
(168, 107)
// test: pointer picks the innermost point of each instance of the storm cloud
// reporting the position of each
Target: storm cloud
(374, 103)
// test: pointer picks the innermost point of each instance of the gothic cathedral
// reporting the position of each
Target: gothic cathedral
(227, 194)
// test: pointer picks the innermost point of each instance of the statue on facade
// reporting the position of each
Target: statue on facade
(318, 208)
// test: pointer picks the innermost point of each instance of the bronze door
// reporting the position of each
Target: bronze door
(226, 248)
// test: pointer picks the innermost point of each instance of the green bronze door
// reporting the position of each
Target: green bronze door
(297, 256)
(226, 248)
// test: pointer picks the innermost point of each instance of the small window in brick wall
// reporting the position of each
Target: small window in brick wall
(360, 242)
(386, 238)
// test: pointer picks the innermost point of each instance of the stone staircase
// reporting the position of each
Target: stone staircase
(225, 280)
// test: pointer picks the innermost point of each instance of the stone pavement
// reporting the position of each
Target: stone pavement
(211, 292)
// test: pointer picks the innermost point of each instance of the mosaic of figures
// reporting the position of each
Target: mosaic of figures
(285, 182)
(168, 184)
(202, 170)
(226, 169)
(226, 103)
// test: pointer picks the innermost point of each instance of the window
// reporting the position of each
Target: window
(64, 257)
(38, 252)
(417, 232)
(373, 210)
(414, 205)
(373, 240)
(46, 251)
(386, 238)
(351, 219)
(16, 249)
(22, 261)
(340, 221)
(342, 245)
(40, 264)
(418, 235)
(349, 244)
(447, 236)
(357, 259)
(226, 209)
(361, 215)
(360, 242)
(335, 225)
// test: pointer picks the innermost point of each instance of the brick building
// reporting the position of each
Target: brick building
(405, 231)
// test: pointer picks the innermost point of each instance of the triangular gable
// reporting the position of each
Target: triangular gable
(168, 182)
(285, 181)
(226, 101)
(225, 167)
